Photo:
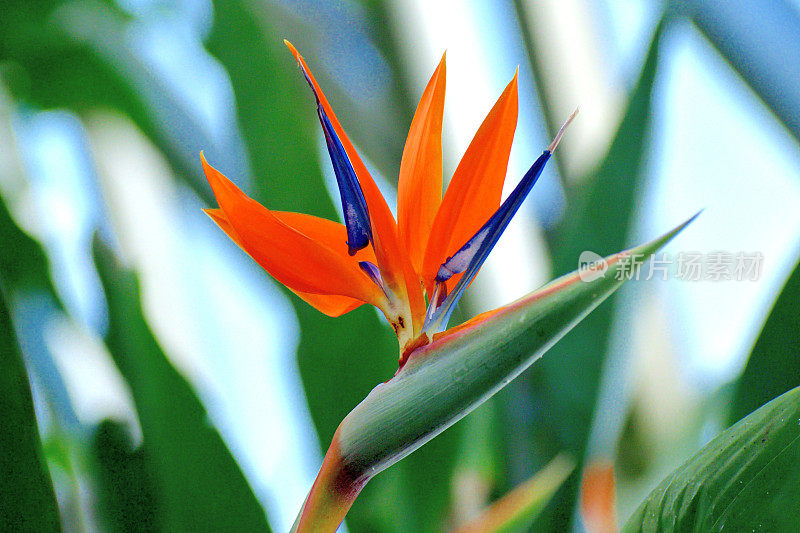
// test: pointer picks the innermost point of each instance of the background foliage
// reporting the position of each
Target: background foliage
(153, 378)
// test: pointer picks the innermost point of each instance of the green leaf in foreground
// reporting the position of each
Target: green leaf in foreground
(199, 485)
(520, 507)
(745, 479)
(445, 380)
(27, 498)
(774, 364)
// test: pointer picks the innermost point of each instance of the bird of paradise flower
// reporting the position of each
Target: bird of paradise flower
(414, 269)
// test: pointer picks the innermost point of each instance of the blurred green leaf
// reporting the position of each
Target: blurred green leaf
(761, 41)
(478, 450)
(602, 211)
(199, 485)
(387, 144)
(42, 66)
(77, 54)
(23, 264)
(552, 123)
(27, 499)
(25, 272)
(519, 508)
(125, 491)
(774, 364)
(443, 381)
(340, 359)
(745, 479)
(25, 267)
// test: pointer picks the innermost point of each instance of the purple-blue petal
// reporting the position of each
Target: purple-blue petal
(470, 257)
(371, 270)
(354, 206)
(374, 273)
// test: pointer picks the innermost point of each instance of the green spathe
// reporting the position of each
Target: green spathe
(445, 380)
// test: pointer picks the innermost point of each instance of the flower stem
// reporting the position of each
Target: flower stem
(331, 496)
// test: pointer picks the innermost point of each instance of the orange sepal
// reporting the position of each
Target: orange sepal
(290, 256)
(331, 234)
(419, 189)
(334, 236)
(476, 189)
(332, 305)
(398, 274)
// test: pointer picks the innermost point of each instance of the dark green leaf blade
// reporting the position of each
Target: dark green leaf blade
(27, 499)
(604, 215)
(602, 211)
(126, 493)
(774, 364)
(200, 487)
(745, 479)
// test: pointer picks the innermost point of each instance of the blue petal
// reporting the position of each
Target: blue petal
(470, 257)
(372, 271)
(354, 207)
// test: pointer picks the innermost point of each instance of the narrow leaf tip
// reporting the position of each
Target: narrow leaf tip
(561, 131)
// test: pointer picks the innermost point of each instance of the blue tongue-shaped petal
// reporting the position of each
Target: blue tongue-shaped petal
(354, 206)
(470, 257)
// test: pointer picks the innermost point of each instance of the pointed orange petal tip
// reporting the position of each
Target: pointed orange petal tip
(216, 179)
(475, 190)
(207, 168)
(294, 51)
(419, 187)
(219, 218)
(301, 63)
(513, 86)
(215, 214)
